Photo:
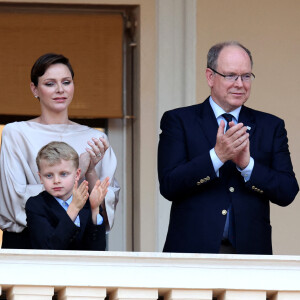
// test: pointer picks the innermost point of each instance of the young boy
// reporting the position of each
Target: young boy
(61, 218)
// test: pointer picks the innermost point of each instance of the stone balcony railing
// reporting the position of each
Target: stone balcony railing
(70, 275)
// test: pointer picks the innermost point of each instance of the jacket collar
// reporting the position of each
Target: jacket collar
(209, 124)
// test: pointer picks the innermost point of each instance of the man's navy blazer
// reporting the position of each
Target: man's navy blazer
(200, 198)
(50, 227)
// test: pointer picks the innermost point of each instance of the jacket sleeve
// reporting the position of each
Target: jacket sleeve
(273, 175)
(94, 237)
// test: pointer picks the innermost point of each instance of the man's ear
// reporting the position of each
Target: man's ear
(210, 76)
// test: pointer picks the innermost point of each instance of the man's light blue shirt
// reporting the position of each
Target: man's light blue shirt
(217, 163)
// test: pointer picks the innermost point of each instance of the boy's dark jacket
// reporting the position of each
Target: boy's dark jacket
(50, 227)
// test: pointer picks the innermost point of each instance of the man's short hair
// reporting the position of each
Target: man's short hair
(54, 152)
(214, 51)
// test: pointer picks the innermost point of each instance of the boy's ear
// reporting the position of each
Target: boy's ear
(40, 177)
(78, 172)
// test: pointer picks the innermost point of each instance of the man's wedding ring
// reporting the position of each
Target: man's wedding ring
(98, 155)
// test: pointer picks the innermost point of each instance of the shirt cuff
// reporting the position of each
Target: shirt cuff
(77, 221)
(246, 173)
(99, 219)
(217, 163)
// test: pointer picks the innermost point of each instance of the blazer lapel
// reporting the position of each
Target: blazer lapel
(247, 118)
(208, 122)
(54, 206)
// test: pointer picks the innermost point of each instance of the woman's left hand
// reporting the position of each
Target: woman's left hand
(84, 163)
(97, 151)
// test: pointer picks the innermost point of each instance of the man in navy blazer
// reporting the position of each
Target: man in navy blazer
(221, 163)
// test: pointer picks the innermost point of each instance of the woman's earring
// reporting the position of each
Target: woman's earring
(36, 96)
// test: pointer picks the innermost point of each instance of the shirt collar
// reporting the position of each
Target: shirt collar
(218, 110)
(60, 201)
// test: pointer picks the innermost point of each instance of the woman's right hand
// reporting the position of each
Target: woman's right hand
(97, 150)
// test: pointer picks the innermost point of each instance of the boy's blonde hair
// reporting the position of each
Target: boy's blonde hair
(54, 152)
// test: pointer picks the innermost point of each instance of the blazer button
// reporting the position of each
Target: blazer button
(231, 189)
(207, 178)
(198, 182)
(224, 212)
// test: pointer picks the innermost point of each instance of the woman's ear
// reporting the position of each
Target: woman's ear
(34, 90)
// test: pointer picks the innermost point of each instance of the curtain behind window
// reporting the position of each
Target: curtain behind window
(93, 43)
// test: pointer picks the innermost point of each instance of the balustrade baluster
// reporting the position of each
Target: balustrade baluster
(243, 295)
(82, 293)
(177, 294)
(134, 294)
(30, 293)
(286, 296)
